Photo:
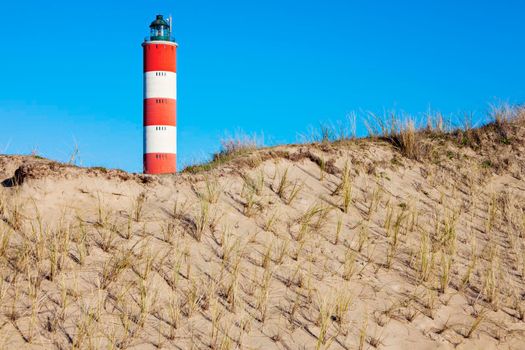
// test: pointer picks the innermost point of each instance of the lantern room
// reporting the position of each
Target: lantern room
(160, 29)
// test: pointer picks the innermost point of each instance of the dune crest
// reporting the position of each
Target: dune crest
(355, 244)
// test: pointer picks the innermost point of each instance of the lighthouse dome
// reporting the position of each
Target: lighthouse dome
(159, 22)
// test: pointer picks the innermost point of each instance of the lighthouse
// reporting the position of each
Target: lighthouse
(160, 99)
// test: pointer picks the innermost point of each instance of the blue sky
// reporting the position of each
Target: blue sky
(72, 70)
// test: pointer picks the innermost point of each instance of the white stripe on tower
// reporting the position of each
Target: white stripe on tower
(160, 84)
(160, 139)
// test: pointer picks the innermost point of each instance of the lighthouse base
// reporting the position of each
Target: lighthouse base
(160, 163)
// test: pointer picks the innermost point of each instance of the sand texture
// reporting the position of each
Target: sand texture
(346, 245)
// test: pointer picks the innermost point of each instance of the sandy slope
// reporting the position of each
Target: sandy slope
(427, 251)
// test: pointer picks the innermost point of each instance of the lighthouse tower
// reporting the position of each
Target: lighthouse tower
(160, 99)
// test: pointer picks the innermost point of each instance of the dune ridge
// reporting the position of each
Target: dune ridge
(411, 239)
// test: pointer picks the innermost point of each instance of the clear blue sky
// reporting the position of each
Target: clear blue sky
(72, 70)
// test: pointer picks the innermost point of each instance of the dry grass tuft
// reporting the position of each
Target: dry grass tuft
(232, 147)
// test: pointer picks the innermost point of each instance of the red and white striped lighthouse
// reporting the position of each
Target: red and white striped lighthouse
(160, 99)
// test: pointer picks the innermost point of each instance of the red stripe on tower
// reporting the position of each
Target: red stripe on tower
(160, 99)
(160, 111)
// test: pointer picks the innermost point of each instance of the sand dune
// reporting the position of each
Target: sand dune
(340, 245)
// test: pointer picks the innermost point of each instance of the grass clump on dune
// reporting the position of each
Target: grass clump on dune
(231, 148)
